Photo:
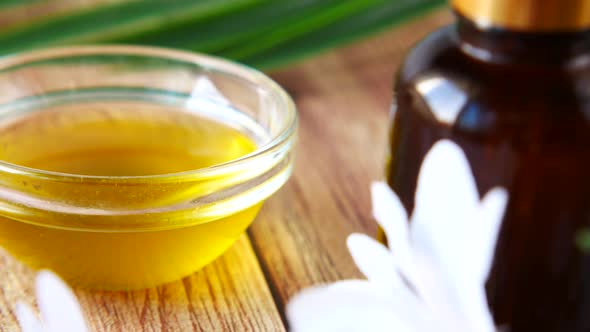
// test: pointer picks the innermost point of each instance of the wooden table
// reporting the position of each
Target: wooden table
(299, 237)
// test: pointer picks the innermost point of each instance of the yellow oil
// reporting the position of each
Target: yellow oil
(119, 139)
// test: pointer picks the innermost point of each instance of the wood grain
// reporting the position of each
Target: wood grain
(299, 238)
(228, 295)
(343, 99)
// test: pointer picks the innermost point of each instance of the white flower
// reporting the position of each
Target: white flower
(60, 311)
(432, 277)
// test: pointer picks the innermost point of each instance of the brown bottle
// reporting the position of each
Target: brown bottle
(510, 83)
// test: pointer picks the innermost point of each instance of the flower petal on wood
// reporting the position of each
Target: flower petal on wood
(352, 306)
(58, 305)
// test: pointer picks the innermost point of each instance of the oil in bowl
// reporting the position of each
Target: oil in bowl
(119, 139)
(120, 189)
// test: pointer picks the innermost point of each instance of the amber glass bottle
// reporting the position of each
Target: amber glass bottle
(510, 83)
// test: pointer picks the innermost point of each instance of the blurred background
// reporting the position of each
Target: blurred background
(266, 34)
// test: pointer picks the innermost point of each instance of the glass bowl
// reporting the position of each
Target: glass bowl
(135, 231)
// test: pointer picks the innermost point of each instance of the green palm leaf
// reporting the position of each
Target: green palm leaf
(262, 33)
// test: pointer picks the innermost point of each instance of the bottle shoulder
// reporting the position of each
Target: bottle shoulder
(447, 82)
(443, 53)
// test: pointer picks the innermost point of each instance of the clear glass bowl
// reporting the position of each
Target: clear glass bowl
(131, 232)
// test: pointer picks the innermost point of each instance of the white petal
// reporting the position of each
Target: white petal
(446, 196)
(58, 305)
(446, 201)
(433, 287)
(475, 309)
(467, 278)
(483, 228)
(392, 217)
(390, 213)
(445, 177)
(449, 230)
(351, 306)
(352, 287)
(27, 319)
(375, 261)
(490, 215)
(446, 299)
(472, 296)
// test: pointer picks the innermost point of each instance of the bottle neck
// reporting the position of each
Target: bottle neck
(506, 46)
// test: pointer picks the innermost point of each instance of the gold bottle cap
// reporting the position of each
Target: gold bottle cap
(527, 15)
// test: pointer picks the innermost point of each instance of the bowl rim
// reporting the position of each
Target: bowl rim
(280, 141)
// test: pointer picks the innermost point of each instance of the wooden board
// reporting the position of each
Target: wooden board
(230, 294)
(299, 238)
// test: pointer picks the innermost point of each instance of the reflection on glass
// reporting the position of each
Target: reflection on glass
(443, 97)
